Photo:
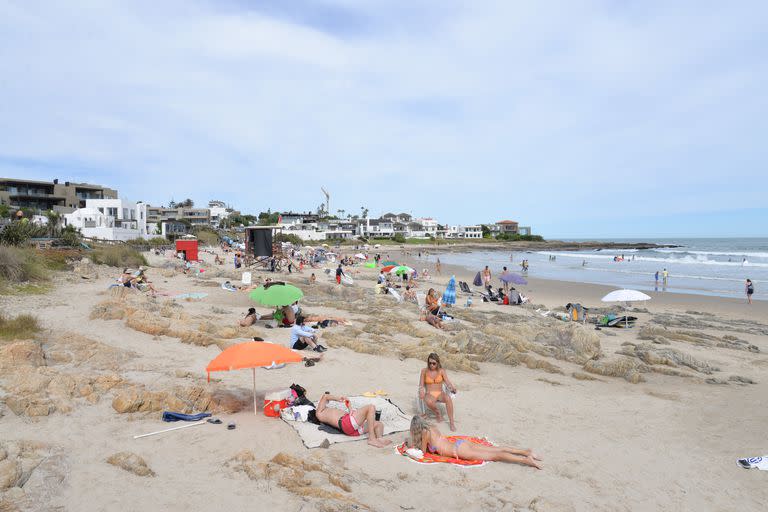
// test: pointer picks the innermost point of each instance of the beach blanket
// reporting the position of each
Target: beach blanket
(312, 435)
(754, 462)
(432, 458)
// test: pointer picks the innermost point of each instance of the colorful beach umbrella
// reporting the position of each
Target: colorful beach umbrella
(252, 354)
(512, 278)
(370, 265)
(400, 270)
(449, 297)
(276, 294)
(387, 268)
(387, 263)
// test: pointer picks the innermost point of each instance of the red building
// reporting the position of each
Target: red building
(188, 247)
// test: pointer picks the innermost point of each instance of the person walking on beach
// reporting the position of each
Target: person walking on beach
(656, 277)
(486, 276)
(750, 289)
(339, 273)
(438, 267)
(665, 277)
(504, 283)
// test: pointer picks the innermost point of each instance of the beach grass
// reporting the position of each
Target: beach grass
(117, 256)
(19, 327)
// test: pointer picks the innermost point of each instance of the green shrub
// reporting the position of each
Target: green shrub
(207, 237)
(20, 327)
(117, 256)
(157, 241)
(399, 238)
(19, 232)
(70, 237)
(294, 239)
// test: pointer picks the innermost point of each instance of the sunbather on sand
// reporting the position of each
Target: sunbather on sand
(353, 423)
(250, 318)
(434, 320)
(431, 382)
(428, 439)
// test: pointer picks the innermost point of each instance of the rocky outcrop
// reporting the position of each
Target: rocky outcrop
(131, 462)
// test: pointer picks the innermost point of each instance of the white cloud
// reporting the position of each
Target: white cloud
(498, 110)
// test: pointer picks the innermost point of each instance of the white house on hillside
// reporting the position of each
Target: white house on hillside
(110, 219)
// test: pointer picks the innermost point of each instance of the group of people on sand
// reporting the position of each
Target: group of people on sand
(434, 387)
(136, 279)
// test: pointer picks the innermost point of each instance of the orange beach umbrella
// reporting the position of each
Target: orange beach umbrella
(252, 354)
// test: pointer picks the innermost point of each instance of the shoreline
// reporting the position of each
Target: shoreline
(521, 245)
(551, 292)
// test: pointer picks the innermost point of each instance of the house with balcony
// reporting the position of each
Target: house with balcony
(177, 220)
(472, 232)
(109, 219)
(50, 195)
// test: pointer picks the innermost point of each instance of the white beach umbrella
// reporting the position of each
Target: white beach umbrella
(625, 296)
(361, 256)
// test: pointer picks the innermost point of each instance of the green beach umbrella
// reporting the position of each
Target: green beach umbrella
(370, 265)
(402, 269)
(279, 294)
(388, 263)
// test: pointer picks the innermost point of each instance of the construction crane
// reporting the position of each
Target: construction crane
(327, 201)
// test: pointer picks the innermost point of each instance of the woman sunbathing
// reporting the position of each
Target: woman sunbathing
(428, 439)
(250, 318)
(432, 381)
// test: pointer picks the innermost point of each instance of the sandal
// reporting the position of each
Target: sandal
(309, 362)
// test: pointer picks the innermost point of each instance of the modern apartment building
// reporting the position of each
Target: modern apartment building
(195, 216)
(50, 195)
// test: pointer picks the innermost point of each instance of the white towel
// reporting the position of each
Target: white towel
(754, 462)
(301, 412)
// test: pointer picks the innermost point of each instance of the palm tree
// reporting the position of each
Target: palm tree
(53, 222)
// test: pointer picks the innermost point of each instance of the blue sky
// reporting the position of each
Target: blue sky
(580, 118)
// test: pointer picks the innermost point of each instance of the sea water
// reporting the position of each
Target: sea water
(705, 266)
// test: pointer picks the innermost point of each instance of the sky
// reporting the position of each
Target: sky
(579, 118)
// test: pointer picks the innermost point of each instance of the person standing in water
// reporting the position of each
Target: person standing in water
(750, 289)
(665, 277)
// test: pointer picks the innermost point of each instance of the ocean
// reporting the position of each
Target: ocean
(704, 266)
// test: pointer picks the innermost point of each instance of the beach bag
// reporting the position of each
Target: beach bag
(478, 280)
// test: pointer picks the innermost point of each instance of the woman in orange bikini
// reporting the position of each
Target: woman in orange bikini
(428, 439)
(431, 388)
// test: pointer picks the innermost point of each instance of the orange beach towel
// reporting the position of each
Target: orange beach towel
(431, 458)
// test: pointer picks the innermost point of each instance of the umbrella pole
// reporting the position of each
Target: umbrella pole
(254, 391)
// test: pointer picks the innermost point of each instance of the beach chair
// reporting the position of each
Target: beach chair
(464, 287)
(421, 300)
(421, 406)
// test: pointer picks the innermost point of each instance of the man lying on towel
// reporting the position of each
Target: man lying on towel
(353, 423)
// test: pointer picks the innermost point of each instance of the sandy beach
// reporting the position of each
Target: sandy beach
(649, 418)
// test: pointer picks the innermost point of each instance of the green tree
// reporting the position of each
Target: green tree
(486, 231)
(5, 211)
(54, 218)
(399, 238)
(187, 203)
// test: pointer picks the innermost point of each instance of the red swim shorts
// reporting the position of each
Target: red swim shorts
(349, 426)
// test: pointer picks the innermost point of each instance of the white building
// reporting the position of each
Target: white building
(218, 212)
(470, 232)
(110, 219)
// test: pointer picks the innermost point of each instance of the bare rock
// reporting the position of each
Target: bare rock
(131, 462)
(10, 473)
(21, 353)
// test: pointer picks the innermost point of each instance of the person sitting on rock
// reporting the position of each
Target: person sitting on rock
(352, 422)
